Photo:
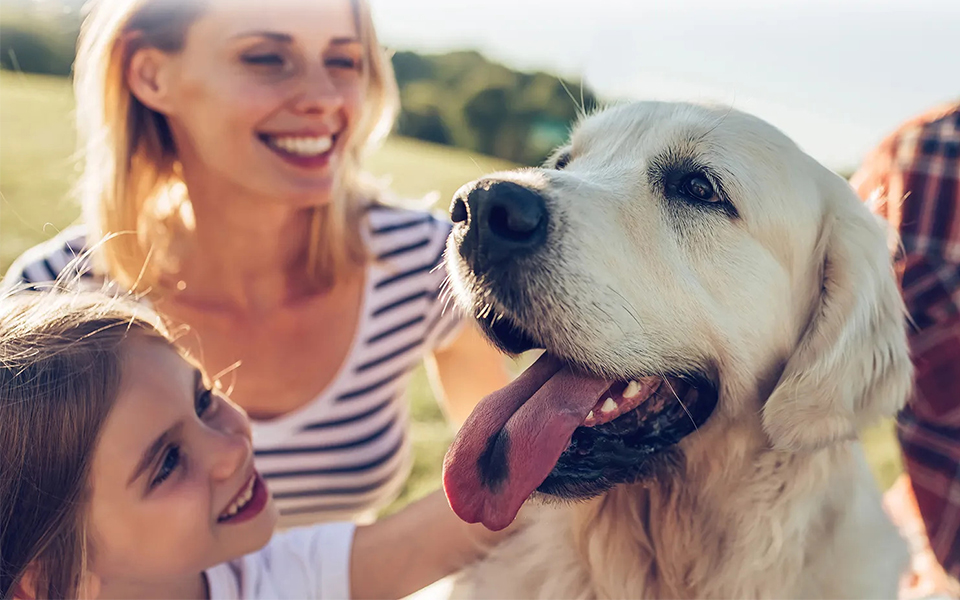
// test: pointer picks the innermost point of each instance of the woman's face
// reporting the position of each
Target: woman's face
(262, 97)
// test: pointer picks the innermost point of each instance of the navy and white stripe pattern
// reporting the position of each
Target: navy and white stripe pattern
(63, 256)
(347, 453)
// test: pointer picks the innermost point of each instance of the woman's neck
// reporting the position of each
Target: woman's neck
(242, 255)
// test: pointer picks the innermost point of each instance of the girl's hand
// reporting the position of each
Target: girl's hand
(415, 547)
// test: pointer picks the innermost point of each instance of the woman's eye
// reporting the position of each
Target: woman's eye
(204, 400)
(170, 461)
(343, 63)
(698, 187)
(264, 60)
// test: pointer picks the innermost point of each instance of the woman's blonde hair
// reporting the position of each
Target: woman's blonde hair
(60, 370)
(130, 183)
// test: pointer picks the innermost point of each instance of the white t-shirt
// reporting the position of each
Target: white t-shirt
(302, 563)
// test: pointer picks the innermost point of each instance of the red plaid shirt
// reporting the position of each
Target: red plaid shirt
(913, 180)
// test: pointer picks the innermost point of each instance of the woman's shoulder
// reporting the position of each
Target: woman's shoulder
(41, 265)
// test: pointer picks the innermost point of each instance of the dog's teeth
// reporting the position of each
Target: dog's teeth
(608, 406)
(590, 415)
(633, 388)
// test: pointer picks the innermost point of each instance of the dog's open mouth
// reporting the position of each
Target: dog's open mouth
(563, 432)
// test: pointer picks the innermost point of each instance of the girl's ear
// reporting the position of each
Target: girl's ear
(148, 75)
(26, 587)
(90, 586)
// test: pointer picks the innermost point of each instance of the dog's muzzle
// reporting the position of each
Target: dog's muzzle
(497, 221)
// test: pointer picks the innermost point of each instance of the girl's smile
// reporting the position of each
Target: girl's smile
(249, 503)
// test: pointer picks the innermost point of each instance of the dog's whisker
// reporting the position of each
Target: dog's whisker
(612, 320)
(631, 310)
(477, 165)
(579, 107)
(719, 121)
(679, 401)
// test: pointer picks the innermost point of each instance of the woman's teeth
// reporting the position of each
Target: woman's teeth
(303, 146)
(241, 500)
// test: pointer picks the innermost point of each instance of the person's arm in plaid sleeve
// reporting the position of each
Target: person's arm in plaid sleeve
(913, 180)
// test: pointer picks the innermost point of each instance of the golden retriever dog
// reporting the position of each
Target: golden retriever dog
(720, 317)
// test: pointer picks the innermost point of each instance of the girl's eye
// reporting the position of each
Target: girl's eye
(204, 400)
(170, 461)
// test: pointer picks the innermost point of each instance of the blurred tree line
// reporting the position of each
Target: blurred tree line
(458, 99)
(462, 99)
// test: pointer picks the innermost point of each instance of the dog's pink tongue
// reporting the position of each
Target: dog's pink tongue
(513, 439)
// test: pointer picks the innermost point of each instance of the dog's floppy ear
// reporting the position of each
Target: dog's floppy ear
(852, 364)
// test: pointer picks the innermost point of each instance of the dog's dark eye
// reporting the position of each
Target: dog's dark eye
(698, 187)
(562, 161)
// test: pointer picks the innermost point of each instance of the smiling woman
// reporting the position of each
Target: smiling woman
(223, 181)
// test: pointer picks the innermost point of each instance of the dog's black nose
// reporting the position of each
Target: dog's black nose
(503, 220)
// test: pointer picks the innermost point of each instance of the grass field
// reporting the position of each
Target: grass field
(37, 169)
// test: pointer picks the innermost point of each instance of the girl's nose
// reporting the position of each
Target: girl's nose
(228, 452)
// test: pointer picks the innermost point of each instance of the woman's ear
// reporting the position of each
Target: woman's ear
(148, 75)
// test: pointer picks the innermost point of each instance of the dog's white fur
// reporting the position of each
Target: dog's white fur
(792, 306)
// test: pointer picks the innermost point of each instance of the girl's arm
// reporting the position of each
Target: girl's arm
(465, 371)
(413, 548)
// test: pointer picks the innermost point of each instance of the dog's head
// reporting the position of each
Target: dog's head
(677, 263)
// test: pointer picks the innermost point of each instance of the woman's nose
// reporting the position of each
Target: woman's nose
(320, 93)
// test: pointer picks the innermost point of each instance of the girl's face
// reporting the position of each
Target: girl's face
(174, 489)
(262, 97)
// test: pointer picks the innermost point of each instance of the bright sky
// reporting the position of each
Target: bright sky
(834, 75)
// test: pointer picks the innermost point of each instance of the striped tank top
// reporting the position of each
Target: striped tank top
(346, 453)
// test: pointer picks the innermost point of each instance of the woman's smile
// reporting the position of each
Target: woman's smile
(305, 150)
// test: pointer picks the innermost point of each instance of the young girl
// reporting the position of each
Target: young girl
(125, 473)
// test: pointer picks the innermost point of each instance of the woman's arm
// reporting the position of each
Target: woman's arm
(413, 548)
(465, 371)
